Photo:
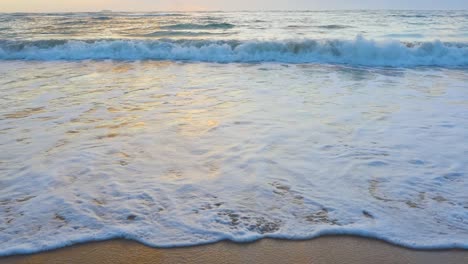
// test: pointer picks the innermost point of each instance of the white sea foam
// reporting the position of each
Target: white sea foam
(359, 51)
(175, 154)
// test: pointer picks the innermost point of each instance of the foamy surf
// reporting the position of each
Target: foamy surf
(229, 151)
(353, 52)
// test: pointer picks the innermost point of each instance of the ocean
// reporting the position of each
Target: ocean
(187, 128)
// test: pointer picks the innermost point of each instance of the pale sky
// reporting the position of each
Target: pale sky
(166, 5)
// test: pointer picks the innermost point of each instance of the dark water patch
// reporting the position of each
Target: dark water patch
(102, 18)
(26, 198)
(20, 14)
(453, 176)
(416, 23)
(296, 26)
(263, 226)
(439, 199)
(73, 23)
(321, 217)
(416, 162)
(334, 26)
(209, 206)
(408, 16)
(165, 15)
(412, 204)
(200, 26)
(59, 217)
(280, 188)
(377, 163)
(210, 18)
(171, 33)
(257, 224)
(140, 15)
(131, 217)
(367, 214)
(409, 35)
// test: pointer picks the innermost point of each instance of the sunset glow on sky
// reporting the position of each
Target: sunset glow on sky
(197, 5)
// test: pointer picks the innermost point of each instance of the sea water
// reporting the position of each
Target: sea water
(178, 129)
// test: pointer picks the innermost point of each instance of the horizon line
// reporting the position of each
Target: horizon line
(233, 10)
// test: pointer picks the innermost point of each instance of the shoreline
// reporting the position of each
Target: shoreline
(326, 249)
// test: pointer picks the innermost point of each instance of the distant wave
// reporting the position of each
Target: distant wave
(359, 51)
(102, 18)
(153, 14)
(200, 26)
(334, 26)
(74, 23)
(171, 33)
(408, 16)
(411, 35)
(103, 14)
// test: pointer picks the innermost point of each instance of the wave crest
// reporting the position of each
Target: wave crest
(359, 51)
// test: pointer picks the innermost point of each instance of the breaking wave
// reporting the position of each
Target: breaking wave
(359, 51)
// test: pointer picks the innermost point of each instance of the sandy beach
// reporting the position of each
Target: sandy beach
(334, 249)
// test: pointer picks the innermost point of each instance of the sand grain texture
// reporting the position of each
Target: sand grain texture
(335, 249)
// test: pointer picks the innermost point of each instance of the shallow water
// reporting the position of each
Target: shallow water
(174, 151)
(177, 154)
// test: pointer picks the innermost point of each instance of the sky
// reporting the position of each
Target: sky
(197, 5)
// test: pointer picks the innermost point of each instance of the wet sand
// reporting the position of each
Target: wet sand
(333, 249)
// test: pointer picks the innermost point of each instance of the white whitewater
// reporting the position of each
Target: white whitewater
(353, 52)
